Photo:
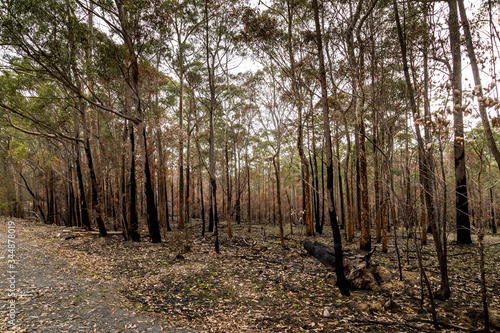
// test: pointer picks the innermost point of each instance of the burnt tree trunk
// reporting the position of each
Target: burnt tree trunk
(462, 205)
(426, 166)
(95, 196)
(134, 221)
(320, 251)
(493, 221)
(342, 282)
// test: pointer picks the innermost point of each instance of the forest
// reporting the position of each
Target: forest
(345, 146)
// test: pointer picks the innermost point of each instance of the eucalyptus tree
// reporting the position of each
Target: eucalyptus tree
(278, 32)
(342, 282)
(240, 92)
(219, 20)
(462, 209)
(249, 110)
(184, 21)
(426, 165)
(359, 16)
(127, 20)
(52, 56)
(291, 7)
(274, 117)
(13, 151)
(483, 102)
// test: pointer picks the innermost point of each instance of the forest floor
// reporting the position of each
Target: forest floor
(92, 284)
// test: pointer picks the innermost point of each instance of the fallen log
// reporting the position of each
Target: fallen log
(358, 271)
(110, 233)
(92, 232)
(75, 234)
(320, 251)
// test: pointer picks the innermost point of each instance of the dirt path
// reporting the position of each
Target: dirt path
(54, 296)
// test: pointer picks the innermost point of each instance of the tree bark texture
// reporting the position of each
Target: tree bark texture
(342, 282)
(461, 202)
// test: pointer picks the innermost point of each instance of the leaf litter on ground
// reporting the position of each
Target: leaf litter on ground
(255, 285)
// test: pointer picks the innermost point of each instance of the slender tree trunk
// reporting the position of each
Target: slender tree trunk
(376, 125)
(461, 203)
(86, 141)
(424, 220)
(342, 282)
(357, 170)
(151, 212)
(385, 221)
(358, 90)
(237, 199)
(365, 242)
(180, 219)
(202, 203)
(426, 168)
(314, 168)
(229, 199)
(49, 199)
(200, 163)
(349, 208)
(124, 201)
(306, 191)
(133, 81)
(378, 218)
(276, 163)
(162, 187)
(133, 218)
(493, 221)
(480, 241)
(323, 197)
(35, 199)
(427, 117)
(341, 188)
(167, 213)
(83, 200)
(70, 198)
(131, 200)
(478, 90)
(200, 176)
(249, 206)
(96, 205)
(188, 201)
(172, 198)
(213, 220)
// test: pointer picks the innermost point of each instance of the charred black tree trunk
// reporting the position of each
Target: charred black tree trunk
(321, 252)
(213, 219)
(202, 203)
(426, 166)
(134, 220)
(341, 188)
(71, 220)
(125, 219)
(493, 222)
(83, 201)
(166, 208)
(462, 205)
(314, 169)
(51, 216)
(152, 213)
(95, 197)
(342, 282)
(44, 219)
